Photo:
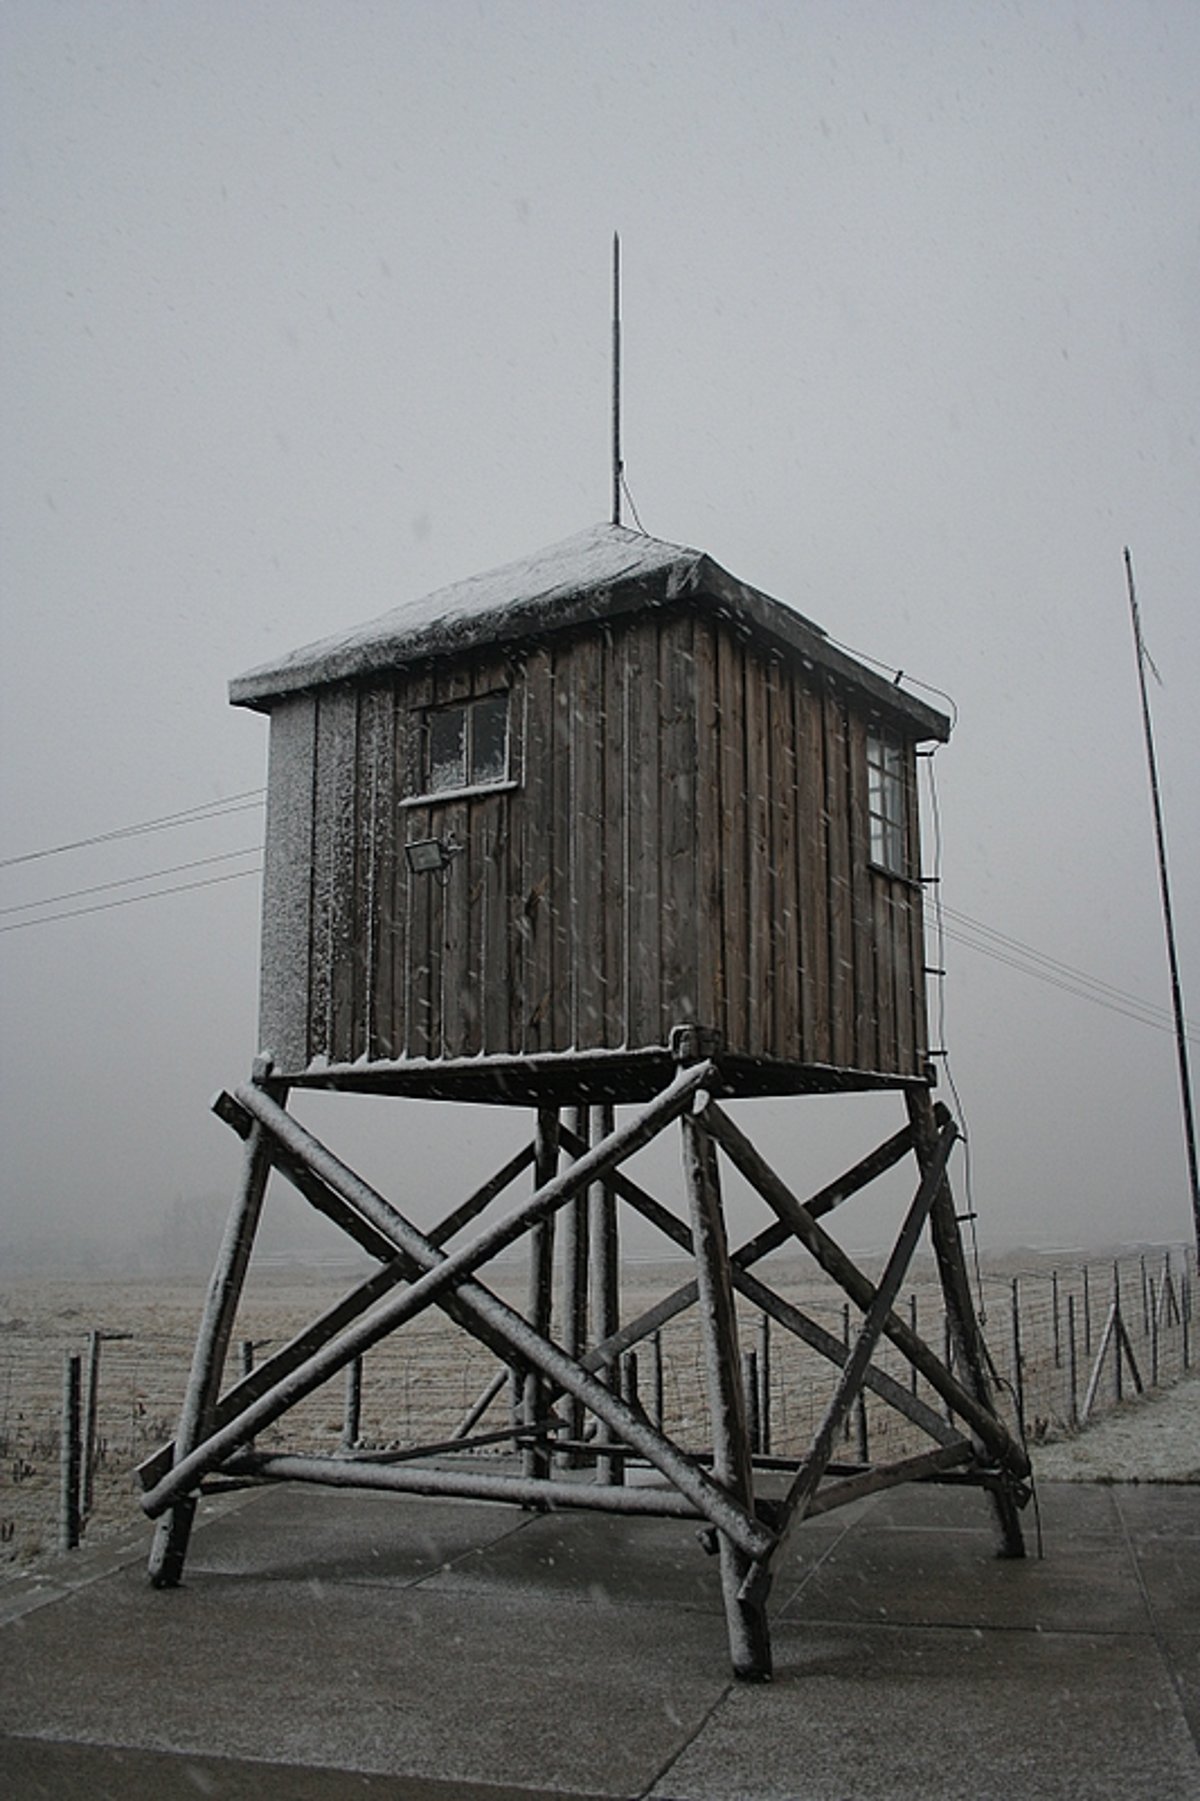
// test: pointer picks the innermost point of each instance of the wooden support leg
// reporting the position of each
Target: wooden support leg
(575, 1283)
(536, 1458)
(604, 1257)
(745, 1612)
(169, 1548)
(965, 1336)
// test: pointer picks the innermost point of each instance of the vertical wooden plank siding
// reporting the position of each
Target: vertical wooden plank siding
(687, 840)
(330, 985)
(733, 830)
(586, 825)
(812, 850)
(837, 832)
(448, 940)
(614, 837)
(760, 885)
(562, 890)
(644, 886)
(677, 800)
(287, 884)
(380, 975)
(785, 805)
(914, 919)
(869, 1040)
(537, 839)
(417, 824)
(710, 960)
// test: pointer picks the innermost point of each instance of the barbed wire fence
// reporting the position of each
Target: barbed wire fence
(81, 1407)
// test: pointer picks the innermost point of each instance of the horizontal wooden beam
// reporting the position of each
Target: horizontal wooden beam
(465, 1484)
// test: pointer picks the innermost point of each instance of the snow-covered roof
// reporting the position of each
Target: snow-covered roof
(600, 572)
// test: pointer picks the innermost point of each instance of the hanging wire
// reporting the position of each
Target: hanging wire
(210, 809)
(129, 900)
(630, 499)
(935, 818)
(129, 881)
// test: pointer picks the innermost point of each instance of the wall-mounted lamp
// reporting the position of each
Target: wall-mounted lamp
(432, 856)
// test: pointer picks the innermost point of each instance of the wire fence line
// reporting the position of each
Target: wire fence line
(82, 1403)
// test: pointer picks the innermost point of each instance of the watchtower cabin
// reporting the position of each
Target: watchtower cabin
(522, 832)
(610, 835)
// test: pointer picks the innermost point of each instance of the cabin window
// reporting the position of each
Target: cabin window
(466, 744)
(885, 801)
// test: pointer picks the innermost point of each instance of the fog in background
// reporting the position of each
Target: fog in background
(306, 311)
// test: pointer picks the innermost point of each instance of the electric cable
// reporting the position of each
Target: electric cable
(212, 809)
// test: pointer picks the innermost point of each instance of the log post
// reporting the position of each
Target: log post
(960, 1310)
(91, 1399)
(169, 1549)
(575, 1245)
(745, 1613)
(70, 1457)
(536, 1456)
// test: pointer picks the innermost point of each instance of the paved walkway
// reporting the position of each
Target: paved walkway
(329, 1646)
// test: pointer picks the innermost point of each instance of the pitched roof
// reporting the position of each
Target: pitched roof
(596, 574)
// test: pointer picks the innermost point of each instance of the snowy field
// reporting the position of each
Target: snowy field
(1045, 1322)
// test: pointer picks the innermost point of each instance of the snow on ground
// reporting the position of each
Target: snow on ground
(1153, 1438)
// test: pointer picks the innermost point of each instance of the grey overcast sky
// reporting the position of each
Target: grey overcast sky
(305, 311)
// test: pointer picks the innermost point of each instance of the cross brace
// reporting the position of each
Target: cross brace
(714, 1485)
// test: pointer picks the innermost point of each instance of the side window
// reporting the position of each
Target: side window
(466, 744)
(885, 801)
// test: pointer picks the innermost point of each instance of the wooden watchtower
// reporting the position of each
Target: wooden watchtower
(603, 829)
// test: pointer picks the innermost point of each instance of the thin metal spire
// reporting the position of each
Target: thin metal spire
(1185, 1085)
(617, 466)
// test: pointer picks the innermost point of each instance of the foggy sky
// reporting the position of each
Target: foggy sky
(306, 312)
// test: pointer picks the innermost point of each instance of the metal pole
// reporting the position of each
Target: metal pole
(616, 381)
(1185, 1084)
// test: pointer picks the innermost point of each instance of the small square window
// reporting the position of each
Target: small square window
(466, 744)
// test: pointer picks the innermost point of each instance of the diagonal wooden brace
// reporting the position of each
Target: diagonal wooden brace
(442, 1273)
(990, 1430)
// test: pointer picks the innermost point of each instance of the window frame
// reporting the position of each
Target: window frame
(475, 780)
(889, 839)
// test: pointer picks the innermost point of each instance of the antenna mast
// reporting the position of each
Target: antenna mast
(616, 382)
(1185, 1086)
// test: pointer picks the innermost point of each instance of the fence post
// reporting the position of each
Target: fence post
(912, 1321)
(1118, 1323)
(69, 1453)
(352, 1407)
(1017, 1360)
(1087, 1313)
(948, 1360)
(750, 1392)
(656, 1369)
(1185, 1316)
(764, 1383)
(1056, 1318)
(1153, 1316)
(1072, 1363)
(1146, 1296)
(91, 1399)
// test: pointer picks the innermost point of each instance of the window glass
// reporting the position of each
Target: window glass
(885, 801)
(489, 739)
(466, 745)
(447, 749)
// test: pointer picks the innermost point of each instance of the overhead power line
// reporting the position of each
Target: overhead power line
(213, 809)
(129, 900)
(130, 881)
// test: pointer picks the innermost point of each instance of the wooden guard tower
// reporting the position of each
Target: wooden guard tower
(604, 829)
